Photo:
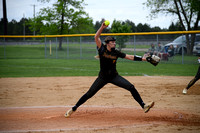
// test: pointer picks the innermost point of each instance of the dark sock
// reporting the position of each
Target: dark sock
(136, 96)
(74, 108)
(142, 104)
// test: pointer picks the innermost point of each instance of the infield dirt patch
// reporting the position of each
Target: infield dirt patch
(39, 104)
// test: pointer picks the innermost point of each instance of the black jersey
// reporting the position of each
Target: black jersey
(108, 60)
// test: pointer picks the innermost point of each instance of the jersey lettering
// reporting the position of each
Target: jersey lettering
(109, 56)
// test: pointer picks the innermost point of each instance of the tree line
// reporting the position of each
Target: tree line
(23, 27)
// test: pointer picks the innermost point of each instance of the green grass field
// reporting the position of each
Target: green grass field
(80, 67)
(34, 61)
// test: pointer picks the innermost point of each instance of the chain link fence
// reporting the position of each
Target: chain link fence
(84, 47)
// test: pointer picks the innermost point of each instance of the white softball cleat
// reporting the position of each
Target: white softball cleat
(184, 91)
(147, 107)
(69, 113)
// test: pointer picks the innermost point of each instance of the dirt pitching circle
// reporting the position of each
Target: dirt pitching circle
(38, 105)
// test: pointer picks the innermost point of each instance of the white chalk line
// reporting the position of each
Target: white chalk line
(68, 106)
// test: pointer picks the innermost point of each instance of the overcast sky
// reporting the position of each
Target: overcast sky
(122, 10)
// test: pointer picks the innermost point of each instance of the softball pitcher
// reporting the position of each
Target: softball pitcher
(108, 56)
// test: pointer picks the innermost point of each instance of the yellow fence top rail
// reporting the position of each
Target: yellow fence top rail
(103, 34)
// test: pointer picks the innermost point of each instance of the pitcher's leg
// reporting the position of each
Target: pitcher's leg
(96, 86)
(122, 82)
(192, 82)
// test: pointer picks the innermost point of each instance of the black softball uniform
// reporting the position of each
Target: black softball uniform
(109, 74)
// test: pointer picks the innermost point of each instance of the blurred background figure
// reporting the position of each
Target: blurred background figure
(152, 50)
(159, 49)
(171, 51)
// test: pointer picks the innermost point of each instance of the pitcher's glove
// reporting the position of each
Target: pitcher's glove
(153, 59)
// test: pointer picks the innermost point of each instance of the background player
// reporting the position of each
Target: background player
(195, 79)
(108, 74)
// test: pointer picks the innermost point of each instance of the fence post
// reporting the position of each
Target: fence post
(67, 47)
(4, 48)
(182, 51)
(45, 47)
(50, 52)
(157, 40)
(134, 44)
(56, 48)
(80, 49)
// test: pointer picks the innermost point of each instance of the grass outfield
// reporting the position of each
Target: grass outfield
(82, 67)
(33, 61)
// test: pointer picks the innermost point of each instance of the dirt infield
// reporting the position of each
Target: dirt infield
(38, 105)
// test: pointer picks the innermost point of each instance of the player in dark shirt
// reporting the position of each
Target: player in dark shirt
(108, 56)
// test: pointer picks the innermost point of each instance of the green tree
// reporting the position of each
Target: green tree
(16, 28)
(143, 28)
(133, 27)
(118, 27)
(77, 26)
(187, 12)
(12, 27)
(175, 27)
(39, 27)
(156, 29)
(65, 17)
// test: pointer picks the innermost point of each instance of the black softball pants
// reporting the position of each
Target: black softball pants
(118, 81)
(197, 77)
